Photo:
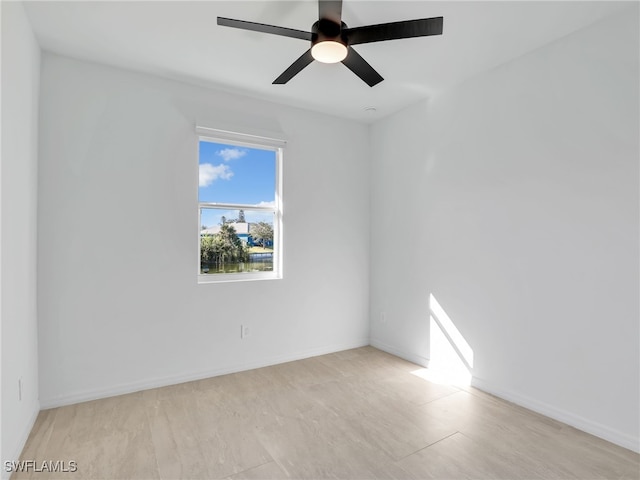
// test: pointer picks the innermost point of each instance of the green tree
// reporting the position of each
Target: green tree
(232, 249)
(223, 247)
(208, 249)
(261, 232)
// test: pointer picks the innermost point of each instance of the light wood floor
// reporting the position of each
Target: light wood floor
(356, 414)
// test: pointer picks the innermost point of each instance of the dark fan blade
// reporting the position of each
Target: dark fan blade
(295, 68)
(261, 27)
(331, 10)
(395, 30)
(361, 68)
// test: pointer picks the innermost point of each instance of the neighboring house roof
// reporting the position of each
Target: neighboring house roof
(241, 228)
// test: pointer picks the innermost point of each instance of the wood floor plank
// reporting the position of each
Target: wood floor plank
(309, 371)
(196, 438)
(360, 414)
(269, 470)
(458, 456)
(321, 449)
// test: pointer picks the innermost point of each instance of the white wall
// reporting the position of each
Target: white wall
(20, 83)
(516, 196)
(119, 305)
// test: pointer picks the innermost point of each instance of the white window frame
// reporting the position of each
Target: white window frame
(250, 141)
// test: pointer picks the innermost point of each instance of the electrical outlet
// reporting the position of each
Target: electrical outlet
(244, 331)
(20, 389)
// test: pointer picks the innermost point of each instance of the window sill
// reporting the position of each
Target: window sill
(237, 277)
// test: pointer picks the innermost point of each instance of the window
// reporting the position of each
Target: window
(239, 207)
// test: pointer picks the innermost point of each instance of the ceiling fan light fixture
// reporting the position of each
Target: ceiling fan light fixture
(329, 51)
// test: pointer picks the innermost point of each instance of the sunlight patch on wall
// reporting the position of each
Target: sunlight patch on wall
(451, 357)
(451, 331)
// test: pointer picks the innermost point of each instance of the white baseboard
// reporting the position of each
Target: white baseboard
(132, 387)
(22, 440)
(409, 356)
(581, 423)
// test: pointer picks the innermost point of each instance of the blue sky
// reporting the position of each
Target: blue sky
(230, 174)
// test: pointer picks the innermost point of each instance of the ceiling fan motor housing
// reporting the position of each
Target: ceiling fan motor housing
(328, 31)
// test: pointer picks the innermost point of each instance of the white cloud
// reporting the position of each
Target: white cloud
(272, 203)
(209, 173)
(229, 154)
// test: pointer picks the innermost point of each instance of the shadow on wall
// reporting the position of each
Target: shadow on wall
(451, 359)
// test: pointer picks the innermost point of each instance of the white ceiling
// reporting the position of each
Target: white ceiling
(181, 40)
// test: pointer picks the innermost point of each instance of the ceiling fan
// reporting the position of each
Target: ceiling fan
(331, 39)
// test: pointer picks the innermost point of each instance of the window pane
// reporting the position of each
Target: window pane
(240, 175)
(236, 241)
(214, 216)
